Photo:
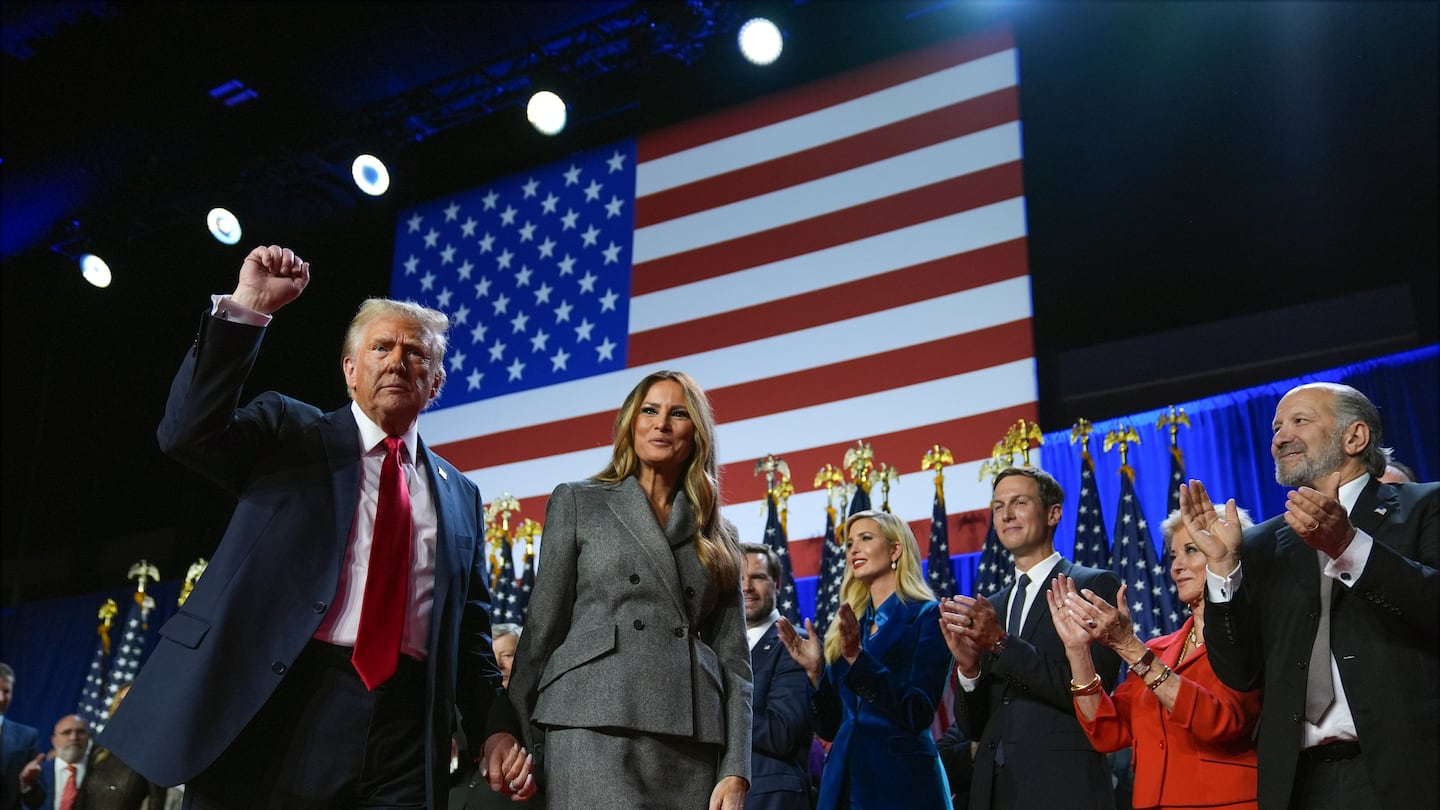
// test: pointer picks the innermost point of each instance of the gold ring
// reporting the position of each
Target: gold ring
(1313, 528)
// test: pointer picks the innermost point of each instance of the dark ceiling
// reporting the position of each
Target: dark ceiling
(1187, 167)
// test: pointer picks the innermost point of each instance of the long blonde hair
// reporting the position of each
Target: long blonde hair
(910, 583)
(716, 543)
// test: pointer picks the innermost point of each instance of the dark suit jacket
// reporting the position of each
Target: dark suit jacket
(625, 610)
(19, 744)
(780, 752)
(1022, 714)
(877, 713)
(1200, 752)
(1384, 633)
(296, 474)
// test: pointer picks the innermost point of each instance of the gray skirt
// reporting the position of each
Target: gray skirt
(619, 769)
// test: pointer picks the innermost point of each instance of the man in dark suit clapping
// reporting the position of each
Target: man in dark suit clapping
(1333, 607)
(781, 735)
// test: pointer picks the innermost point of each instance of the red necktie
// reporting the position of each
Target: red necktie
(67, 796)
(382, 614)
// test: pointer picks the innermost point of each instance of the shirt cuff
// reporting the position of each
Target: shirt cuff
(967, 684)
(1222, 589)
(226, 309)
(1348, 567)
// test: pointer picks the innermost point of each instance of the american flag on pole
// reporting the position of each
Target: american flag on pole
(775, 537)
(997, 566)
(1092, 544)
(128, 652)
(92, 705)
(844, 260)
(832, 571)
(1154, 604)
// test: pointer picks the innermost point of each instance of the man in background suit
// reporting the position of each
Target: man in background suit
(71, 744)
(1014, 675)
(19, 747)
(264, 690)
(781, 734)
(1334, 608)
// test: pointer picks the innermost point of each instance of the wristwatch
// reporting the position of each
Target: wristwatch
(1142, 666)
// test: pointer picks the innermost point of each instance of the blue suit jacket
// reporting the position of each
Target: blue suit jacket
(781, 735)
(877, 713)
(296, 474)
(19, 744)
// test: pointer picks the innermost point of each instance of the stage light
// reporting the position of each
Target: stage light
(546, 112)
(760, 41)
(95, 270)
(223, 226)
(370, 175)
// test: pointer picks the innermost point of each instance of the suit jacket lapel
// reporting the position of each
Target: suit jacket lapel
(341, 437)
(628, 503)
(447, 554)
(1038, 605)
(1373, 508)
(892, 620)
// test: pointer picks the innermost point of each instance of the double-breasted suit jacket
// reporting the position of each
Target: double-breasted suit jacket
(1199, 753)
(780, 756)
(1384, 634)
(296, 474)
(1022, 715)
(877, 714)
(626, 629)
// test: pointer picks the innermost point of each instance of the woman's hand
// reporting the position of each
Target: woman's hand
(1106, 623)
(729, 793)
(804, 649)
(849, 633)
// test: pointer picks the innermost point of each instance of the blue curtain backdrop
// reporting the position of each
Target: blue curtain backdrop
(1227, 446)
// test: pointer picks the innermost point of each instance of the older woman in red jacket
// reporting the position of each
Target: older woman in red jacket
(1191, 734)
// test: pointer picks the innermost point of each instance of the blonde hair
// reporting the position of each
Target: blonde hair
(716, 541)
(910, 582)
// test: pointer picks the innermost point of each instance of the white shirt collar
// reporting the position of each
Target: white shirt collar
(754, 633)
(371, 434)
(1350, 493)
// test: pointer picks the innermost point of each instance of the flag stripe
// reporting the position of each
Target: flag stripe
(773, 318)
(892, 140)
(883, 178)
(954, 236)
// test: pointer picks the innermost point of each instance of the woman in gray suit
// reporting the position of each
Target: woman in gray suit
(633, 670)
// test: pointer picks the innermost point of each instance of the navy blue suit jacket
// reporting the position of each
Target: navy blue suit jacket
(878, 712)
(19, 744)
(781, 733)
(296, 474)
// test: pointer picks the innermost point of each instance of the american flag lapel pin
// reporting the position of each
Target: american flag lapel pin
(444, 476)
(1381, 510)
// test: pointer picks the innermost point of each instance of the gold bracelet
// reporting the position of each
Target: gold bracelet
(1164, 673)
(1088, 688)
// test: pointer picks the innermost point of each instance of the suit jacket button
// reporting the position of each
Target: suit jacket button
(639, 625)
(1302, 664)
(689, 592)
(1295, 718)
(277, 667)
(318, 607)
(634, 579)
(679, 632)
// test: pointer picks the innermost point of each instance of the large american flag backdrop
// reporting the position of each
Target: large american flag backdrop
(842, 262)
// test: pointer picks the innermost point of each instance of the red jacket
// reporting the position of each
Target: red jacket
(1202, 753)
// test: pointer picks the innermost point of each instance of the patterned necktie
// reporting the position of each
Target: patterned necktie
(1017, 606)
(387, 577)
(67, 796)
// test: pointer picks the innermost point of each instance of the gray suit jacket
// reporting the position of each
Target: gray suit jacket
(626, 628)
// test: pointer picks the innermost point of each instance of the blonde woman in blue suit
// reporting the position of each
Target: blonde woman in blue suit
(634, 667)
(875, 686)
